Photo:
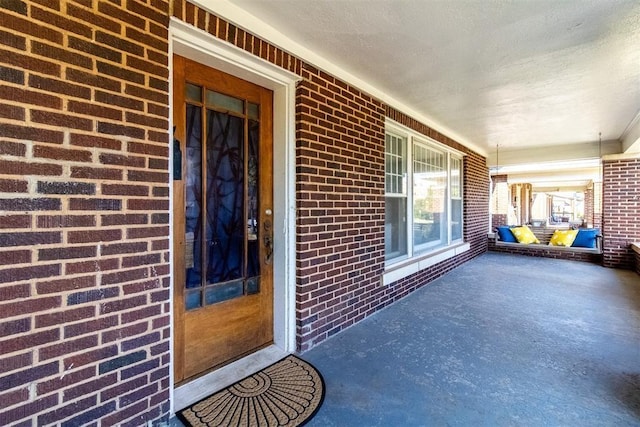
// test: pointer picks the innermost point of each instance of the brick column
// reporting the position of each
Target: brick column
(621, 204)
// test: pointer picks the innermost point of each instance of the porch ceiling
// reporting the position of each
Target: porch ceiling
(522, 74)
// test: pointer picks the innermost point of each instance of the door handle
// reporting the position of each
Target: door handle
(268, 241)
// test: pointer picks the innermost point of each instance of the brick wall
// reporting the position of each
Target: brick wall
(588, 206)
(84, 313)
(621, 204)
(543, 252)
(340, 201)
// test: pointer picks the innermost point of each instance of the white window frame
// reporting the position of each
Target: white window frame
(428, 246)
(428, 254)
(402, 194)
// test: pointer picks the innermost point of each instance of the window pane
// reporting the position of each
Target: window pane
(456, 219)
(193, 92)
(253, 196)
(456, 178)
(429, 198)
(394, 165)
(225, 102)
(456, 199)
(192, 299)
(225, 223)
(395, 227)
(223, 292)
(193, 202)
(254, 111)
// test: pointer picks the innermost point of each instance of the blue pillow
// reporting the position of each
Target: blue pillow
(506, 235)
(586, 238)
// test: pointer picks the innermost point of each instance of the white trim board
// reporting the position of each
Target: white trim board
(394, 273)
(202, 47)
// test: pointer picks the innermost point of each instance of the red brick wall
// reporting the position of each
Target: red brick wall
(588, 206)
(476, 205)
(230, 33)
(621, 204)
(84, 273)
(538, 251)
(340, 201)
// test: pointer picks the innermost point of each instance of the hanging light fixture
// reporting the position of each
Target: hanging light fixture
(600, 145)
(600, 163)
(600, 184)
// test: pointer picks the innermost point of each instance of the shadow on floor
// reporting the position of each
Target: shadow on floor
(626, 387)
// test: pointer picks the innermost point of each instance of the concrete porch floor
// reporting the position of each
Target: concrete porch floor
(503, 340)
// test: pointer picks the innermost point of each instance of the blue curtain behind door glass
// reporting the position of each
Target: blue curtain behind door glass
(253, 188)
(193, 197)
(226, 221)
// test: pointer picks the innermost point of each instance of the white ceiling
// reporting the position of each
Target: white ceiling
(517, 74)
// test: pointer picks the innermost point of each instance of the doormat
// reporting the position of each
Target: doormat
(287, 393)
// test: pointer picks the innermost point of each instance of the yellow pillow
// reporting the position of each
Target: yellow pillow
(524, 235)
(563, 237)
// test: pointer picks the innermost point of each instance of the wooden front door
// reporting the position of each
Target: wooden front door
(223, 230)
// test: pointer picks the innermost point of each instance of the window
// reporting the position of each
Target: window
(395, 236)
(423, 196)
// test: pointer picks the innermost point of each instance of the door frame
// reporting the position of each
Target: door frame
(197, 45)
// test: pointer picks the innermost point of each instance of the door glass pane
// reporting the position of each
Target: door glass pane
(193, 92)
(192, 299)
(225, 102)
(193, 197)
(253, 188)
(223, 292)
(254, 111)
(252, 286)
(226, 221)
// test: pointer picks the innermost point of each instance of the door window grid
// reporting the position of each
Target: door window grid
(202, 288)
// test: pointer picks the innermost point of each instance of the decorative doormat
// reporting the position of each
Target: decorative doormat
(287, 393)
